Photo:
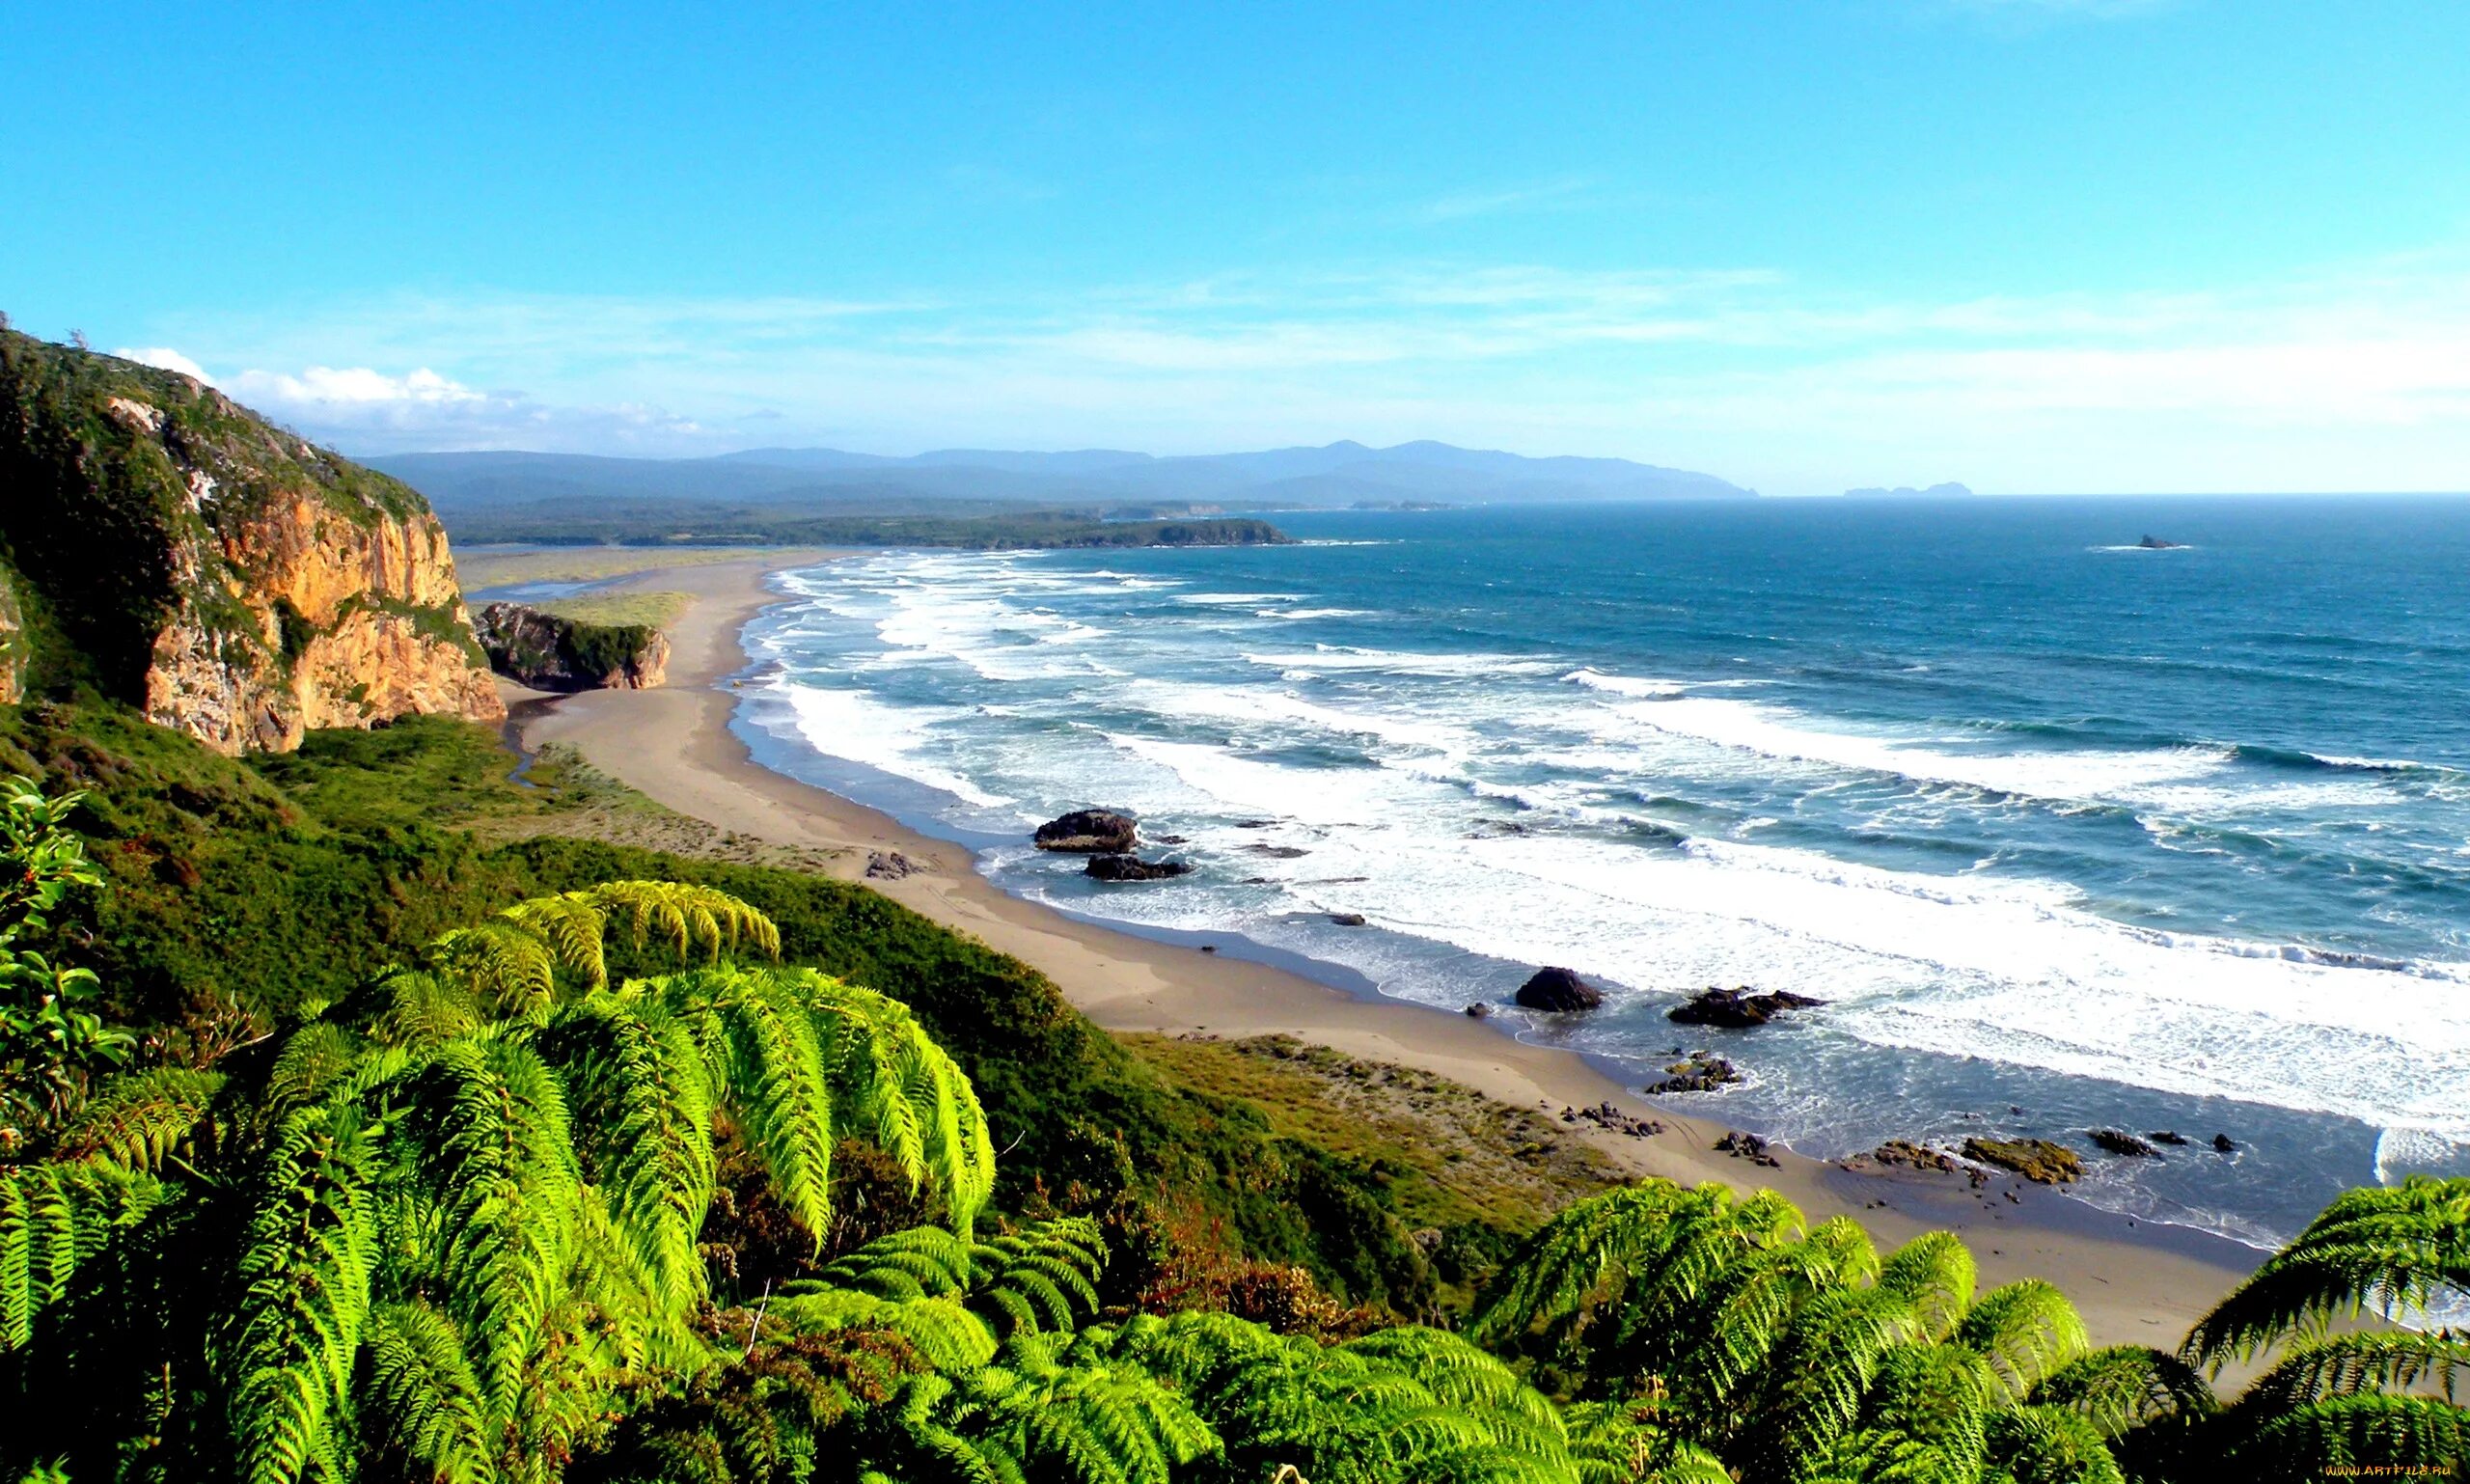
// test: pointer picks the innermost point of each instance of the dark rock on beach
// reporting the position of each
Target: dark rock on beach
(1129, 868)
(2223, 1144)
(1479, 1011)
(1738, 1010)
(1747, 1146)
(1347, 918)
(889, 866)
(2037, 1159)
(1088, 831)
(2167, 1136)
(1559, 991)
(1279, 852)
(2118, 1142)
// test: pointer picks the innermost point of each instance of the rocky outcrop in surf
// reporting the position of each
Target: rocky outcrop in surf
(1737, 1009)
(1089, 832)
(1558, 991)
(1131, 867)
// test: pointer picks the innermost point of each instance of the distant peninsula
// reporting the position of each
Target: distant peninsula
(1950, 490)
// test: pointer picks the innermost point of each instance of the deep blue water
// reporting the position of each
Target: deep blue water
(2103, 835)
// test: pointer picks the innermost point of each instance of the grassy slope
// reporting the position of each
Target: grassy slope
(242, 892)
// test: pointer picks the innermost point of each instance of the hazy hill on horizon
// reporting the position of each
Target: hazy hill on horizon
(1337, 474)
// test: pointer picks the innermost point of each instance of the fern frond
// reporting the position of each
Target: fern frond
(945, 1334)
(317, 1056)
(2049, 1445)
(2127, 1387)
(506, 967)
(138, 1120)
(684, 915)
(54, 1218)
(643, 1109)
(2396, 1435)
(303, 1272)
(2347, 1364)
(1934, 1273)
(424, 1400)
(778, 1091)
(2025, 1329)
(574, 929)
(422, 1009)
(2392, 1251)
(498, 1153)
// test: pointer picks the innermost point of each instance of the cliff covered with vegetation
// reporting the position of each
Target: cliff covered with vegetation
(171, 550)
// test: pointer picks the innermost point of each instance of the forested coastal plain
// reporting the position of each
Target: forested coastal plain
(382, 1103)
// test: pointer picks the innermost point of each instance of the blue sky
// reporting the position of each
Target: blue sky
(2036, 245)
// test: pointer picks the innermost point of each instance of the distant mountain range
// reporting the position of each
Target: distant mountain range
(1340, 474)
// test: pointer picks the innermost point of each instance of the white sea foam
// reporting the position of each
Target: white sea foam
(1626, 685)
(1344, 657)
(1975, 964)
(1774, 732)
(896, 740)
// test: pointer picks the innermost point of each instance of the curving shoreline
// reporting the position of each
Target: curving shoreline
(2134, 1283)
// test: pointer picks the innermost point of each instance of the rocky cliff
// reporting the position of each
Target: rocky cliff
(552, 653)
(177, 552)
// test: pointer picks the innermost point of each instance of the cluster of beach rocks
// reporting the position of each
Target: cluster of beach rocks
(1605, 1115)
(2039, 1160)
(1697, 1071)
(1747, 1146)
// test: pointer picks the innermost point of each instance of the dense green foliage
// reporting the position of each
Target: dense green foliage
(633, 1182)
(50, 1039)
(240, 891)
(657, 523)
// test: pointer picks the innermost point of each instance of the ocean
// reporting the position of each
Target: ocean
(2068, 834)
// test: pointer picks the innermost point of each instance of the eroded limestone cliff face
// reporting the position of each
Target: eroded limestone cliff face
(236, 582)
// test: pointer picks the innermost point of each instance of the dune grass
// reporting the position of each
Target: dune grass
(481, 567)
(617, 610)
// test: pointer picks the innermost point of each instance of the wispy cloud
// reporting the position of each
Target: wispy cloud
(2358, 377)
(1540, 196)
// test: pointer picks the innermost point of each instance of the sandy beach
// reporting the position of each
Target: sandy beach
(2134, 1283)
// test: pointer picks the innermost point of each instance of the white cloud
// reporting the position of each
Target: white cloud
(353, 387)
(164, 358)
